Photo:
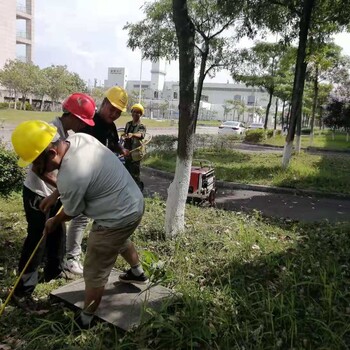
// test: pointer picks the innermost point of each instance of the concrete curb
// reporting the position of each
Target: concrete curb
(259, 188)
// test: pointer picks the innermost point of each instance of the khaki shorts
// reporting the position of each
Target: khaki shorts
(103, 246)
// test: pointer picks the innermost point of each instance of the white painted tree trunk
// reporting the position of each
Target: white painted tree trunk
(311, 139)
(287, 154)
(298, 144)
(177, 195)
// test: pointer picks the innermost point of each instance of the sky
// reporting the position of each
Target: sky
(88, 37)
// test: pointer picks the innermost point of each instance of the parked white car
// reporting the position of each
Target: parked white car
(256, 126)
(232, 128)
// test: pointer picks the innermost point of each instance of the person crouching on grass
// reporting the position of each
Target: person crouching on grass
(90, 180)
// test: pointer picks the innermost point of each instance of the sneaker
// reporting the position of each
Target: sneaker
(73, 265)
(79, 326)
(129, 277)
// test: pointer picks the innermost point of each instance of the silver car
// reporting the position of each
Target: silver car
(256, 126)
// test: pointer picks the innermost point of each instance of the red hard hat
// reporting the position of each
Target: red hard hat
(82, 106)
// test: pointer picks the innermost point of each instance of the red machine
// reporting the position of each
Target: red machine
(202, 183)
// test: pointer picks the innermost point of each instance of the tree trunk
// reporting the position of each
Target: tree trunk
(298, 137)
(282, 115)
(314, 107)
(178, 189)
(299, 79)
(24, 102)
(275, 122)
(42, 104)
(268, 109)
(288, 115)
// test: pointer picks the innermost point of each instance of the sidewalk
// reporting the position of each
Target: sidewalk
(306, 207)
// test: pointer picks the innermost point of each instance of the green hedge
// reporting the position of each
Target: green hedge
(255, 136)
(163, 142)
(11, 175)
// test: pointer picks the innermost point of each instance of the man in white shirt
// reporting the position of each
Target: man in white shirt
(92, 180)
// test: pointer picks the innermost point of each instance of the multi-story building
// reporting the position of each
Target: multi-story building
(222, 101)
(16, 34)
(16, 30)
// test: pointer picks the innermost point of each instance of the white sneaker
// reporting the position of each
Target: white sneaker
(73, 266)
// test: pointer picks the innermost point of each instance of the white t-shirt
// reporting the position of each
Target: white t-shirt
(33, 181)
(93, 181)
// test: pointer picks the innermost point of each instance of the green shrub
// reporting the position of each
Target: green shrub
(255, 136)
(305, 131)
(163, 143)
(11, 175)
(28, 107)
(4, 105)
(269, 133)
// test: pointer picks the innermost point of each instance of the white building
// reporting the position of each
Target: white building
(222, 101)
(16, 33)
(16, 30)
(116, 76)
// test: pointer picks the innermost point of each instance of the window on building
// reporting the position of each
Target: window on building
(251, 100)
(237, 98)
(156, 94)
(175, 95)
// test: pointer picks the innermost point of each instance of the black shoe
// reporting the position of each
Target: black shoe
(129, 277)
(27, 302)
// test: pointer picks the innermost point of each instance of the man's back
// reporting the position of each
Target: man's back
(92, 180)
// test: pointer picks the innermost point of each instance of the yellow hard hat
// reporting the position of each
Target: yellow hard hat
(30, 139)
(139, 107)
(118, 97)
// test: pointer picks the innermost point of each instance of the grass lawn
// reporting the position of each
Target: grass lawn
(15, 117)
(323, 141)
(245, 283)
(327, 173)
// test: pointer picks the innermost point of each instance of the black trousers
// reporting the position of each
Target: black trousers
(134, 168)
(51, 250)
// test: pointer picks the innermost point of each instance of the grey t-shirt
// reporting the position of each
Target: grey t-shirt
(93, 181)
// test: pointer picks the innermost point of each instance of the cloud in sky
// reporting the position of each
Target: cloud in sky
(88, 36)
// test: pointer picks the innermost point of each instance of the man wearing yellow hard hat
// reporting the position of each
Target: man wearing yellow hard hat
(134, 133)
(113, 104)
(90, 180)
(78, 110)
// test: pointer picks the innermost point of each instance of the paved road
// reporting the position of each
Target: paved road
(294, 207)
(6, 130)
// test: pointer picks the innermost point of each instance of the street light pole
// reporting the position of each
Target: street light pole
(140, 91)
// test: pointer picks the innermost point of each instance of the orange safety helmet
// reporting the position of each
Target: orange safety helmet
(82, 106)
